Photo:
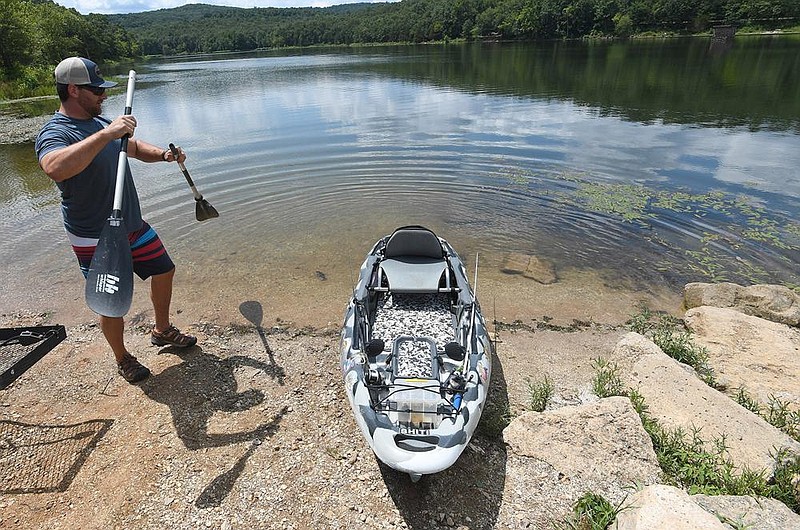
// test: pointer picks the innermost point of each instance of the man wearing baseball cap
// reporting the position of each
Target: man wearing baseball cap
(79, 150)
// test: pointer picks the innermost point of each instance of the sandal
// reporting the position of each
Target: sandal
(132, 370)
(172, 337)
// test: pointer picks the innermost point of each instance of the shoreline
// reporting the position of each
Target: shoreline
(15, 130)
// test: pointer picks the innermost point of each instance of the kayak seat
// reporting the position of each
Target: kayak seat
(413, 274)
(413, 261)
(413, 241)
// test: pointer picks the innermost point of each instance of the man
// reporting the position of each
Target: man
(79, 150)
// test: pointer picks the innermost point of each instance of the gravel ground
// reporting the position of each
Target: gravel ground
(251, 429)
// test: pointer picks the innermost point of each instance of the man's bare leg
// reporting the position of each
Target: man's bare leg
(161, 296)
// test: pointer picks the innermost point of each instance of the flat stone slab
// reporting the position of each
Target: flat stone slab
(531, 267)
(676, 397)
(750, 352)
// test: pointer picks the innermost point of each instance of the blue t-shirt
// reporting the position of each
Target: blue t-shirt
(88, 198)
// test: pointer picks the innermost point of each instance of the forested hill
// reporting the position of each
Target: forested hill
(203, 28)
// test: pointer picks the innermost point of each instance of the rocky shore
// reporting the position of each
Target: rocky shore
(14, 130)
(251, 429)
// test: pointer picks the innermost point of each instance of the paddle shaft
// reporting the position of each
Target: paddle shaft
(109, 281)
(122, 163)
(185, 171)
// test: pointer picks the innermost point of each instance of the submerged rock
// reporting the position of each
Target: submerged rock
(531, 267)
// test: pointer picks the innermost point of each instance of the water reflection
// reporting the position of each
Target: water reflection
(652, 160)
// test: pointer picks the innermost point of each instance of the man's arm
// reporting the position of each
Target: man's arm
(63, 164)
(141, 150)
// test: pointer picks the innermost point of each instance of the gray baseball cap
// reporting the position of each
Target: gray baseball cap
(80, 71)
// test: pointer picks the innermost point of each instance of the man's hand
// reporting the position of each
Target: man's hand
(169, 156)
(121, 126)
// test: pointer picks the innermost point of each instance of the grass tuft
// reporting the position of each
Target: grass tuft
(781, 416)
(778, 412)
(539, 394)
(592, 512)
(607, 382)
(690, 463)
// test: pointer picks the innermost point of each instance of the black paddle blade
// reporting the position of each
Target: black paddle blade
(109, 285)
(204, 211)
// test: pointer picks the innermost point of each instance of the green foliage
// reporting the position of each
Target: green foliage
(623, 25)
(592, 512)
(606, 382)
(38, 34)
(778, 412)
(495, 417)
(784, 485)
(781, 416)
(670, 334)
(539, 393)
(744, 399)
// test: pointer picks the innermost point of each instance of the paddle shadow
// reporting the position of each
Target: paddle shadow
(45, 458)
(254, 313)
(469, 493)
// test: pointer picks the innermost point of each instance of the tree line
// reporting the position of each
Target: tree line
(37, 34)
(203, 28)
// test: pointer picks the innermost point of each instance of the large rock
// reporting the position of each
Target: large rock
(556, 456)
(750, 352)
(660, 506)
(772, 302)
(750, 512)
(531, 267)
(676, 397)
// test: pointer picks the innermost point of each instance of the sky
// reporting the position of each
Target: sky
(135, 6)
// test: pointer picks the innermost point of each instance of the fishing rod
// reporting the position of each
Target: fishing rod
(471, 335)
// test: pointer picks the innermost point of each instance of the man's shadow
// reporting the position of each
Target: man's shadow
(201, 386)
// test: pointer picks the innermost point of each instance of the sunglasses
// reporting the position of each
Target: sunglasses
(96, 90)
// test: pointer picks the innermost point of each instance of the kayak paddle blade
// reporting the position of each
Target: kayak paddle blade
(204, 211)
(109, 284)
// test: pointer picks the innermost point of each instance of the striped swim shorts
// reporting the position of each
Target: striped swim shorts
(150, 258)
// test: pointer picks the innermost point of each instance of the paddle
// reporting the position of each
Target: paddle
(203, 210)
(109, 284)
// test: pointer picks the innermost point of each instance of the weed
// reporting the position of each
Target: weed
(670, 334)
(744, 399)
(779, 415)
(785, 483)
(539, 393)
(606, 382)
(736, 524)
(689, 463)
(496, 417)
(592, 512)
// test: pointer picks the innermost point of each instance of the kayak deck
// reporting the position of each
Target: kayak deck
(401, 317)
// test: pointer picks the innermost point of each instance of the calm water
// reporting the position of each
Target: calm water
(652, 163)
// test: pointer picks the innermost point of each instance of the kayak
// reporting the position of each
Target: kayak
(415, 353)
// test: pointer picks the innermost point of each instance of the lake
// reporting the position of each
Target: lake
(647, 164)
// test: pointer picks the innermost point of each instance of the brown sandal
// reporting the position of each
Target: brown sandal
(132, 370)
(172, 337)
